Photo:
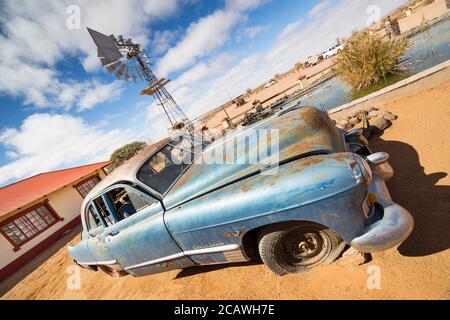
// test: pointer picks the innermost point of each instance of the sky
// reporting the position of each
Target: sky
(59, 108)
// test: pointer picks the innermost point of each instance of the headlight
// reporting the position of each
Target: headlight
(365, 169)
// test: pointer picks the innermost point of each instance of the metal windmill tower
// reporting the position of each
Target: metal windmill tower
(123, 57)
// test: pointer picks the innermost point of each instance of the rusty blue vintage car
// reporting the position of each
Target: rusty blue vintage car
(326, 190)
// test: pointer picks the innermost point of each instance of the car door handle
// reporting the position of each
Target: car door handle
(113, 233)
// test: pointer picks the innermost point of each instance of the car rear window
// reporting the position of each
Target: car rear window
(162, 169)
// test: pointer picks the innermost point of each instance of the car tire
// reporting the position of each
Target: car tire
(297, 247)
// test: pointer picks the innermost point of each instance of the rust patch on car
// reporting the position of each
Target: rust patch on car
(234, 234)
(341, 158)
(246, 187)
(314, 118)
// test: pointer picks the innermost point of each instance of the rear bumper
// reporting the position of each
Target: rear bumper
(396, 224)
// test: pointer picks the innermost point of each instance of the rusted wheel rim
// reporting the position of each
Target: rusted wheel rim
(305, 247)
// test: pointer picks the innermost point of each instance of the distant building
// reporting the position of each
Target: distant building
(37, 211)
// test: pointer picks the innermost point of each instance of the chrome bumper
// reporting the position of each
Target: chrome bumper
(396, 224)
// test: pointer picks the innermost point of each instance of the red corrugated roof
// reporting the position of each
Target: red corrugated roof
(22, 192)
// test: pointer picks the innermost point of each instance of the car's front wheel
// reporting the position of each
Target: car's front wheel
(297, 247)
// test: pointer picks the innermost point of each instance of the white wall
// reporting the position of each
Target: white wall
(65, 201)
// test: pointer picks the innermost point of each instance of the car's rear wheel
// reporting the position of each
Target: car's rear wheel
(297, 247)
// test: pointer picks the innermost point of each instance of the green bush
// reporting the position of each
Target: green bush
(124, 153)
(367, 59)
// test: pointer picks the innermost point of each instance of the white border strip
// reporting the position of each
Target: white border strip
(228, 247)
(99, 263)
(174, 256)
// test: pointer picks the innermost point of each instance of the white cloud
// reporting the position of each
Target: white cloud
(45, 142)
(201, 38)
(100, 93)
(11, 155)
(162, 41)
(243, 5)
(35, 37)
(253, 31)
(231, 83)
(289, 29)
(320, 7)
(205, 35)
(41, 87)
(203, 70)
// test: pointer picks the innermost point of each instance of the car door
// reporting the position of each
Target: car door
(98, 219)
(138, 240)
(89, 251)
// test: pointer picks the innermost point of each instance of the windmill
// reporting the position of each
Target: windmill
(128, 61)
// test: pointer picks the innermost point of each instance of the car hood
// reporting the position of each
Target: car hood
(300, 133)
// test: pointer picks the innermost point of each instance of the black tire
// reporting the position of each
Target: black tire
(297, 247)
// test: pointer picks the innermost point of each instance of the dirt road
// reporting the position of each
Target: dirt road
(419, 145)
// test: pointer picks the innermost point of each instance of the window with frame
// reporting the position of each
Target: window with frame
(104, 211)
(122, 201)
(127, 201)
(92, 219)
(29, 224)
(87, 185)
(162, 169)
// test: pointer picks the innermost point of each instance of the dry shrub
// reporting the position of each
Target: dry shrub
(367, 59)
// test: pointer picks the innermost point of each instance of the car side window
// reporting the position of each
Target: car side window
(163, 168)
(128, 201)
(160, 171)
(104, 212)
(92, 219)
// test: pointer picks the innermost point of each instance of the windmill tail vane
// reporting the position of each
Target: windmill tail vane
(127, 61)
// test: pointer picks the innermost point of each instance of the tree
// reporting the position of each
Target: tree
(125, 152)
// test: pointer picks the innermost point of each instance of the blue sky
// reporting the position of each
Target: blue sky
(60, 109)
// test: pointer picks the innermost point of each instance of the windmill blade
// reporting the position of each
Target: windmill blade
(134, 74)
(113, 66)
(139, 73)
(127, 74)
(106, 47)
(119, 72)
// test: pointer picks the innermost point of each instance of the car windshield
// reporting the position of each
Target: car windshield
(162, 169)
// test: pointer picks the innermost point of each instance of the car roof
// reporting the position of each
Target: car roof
(127, 171)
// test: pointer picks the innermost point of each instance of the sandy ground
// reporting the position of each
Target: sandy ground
(419, 145)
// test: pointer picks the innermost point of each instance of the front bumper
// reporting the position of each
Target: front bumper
(396, 224)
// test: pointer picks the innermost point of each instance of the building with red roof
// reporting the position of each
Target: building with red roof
(37, 211)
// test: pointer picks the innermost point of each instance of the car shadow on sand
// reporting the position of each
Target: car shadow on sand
(418, 192)
(192, 271)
